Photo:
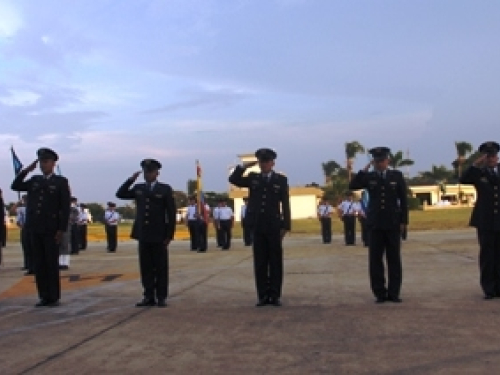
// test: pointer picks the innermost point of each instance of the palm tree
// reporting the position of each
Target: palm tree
(351, 150)
(463, 149)
(330, 168)
(398, 160)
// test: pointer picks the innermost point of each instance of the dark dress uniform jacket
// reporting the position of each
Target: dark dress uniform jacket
(268, 202)
(48, 208)
(486, 212)
(155, 217)
(387, 207)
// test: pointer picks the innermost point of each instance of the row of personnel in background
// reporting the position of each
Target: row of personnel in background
(348, 211)
(223, 220)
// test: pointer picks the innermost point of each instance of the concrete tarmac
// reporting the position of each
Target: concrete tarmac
(328, 323)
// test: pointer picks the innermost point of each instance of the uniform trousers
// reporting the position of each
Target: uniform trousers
(193, 233)
(386, 242)
(153, 263)
(226, 229)
(247, 233)
(268, 263)
(349, 229)
(202, 235)
(75, 239)
(3, 235)
(83, 237)
(489, 261)
(326, 229)
(112, 237)
(219, 235)
(46, 261)
(27, 249)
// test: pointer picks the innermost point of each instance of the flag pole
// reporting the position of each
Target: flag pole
(198, 186)
(16, 172)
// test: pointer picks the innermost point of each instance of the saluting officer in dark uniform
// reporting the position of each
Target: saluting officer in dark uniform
(47, 215)
(484, 175)
(154, 228)
(268, 191)
(387, 217)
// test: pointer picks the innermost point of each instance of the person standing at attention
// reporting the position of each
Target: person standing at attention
(387, 217)
(325, 211)
(111, 219)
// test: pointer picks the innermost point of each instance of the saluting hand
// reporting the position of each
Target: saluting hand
(368, 166)
(135, 175)
(31, 167)
(480, 160)
(249, 164)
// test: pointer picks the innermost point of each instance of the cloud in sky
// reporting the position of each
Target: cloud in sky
(108, 83)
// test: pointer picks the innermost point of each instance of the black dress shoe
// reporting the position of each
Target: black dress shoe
(489, 296)
(381, 300)
(146, 303)
(262, 302)
(52, 304)
(394, 299)
(42, 303)
(161, 302)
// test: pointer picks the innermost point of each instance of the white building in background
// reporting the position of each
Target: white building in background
(304, 200)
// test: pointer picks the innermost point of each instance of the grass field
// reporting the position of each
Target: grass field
(419, 221)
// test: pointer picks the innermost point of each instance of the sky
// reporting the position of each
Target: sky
(108, 83)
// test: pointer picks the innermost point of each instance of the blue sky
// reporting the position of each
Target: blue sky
(107, 83)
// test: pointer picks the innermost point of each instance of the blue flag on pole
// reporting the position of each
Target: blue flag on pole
(18, 166)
